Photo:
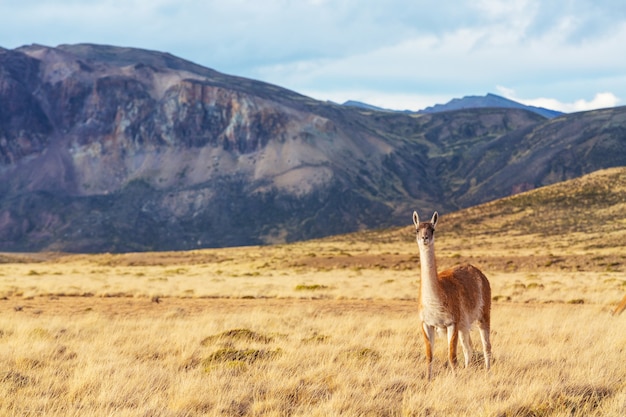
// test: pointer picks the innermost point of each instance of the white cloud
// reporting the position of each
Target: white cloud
(476, 60)
(393, 51)
(599, 100)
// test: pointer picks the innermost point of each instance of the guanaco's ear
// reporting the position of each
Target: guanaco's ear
(434, 219)
(416, 219)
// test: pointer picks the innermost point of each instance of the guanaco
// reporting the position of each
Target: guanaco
(451, 300)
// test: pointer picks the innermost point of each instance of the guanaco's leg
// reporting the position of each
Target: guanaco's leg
(466, 344)
(453, 337)
(483, 328)
(429, 341)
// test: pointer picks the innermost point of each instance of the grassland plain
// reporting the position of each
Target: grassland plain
(328, 327)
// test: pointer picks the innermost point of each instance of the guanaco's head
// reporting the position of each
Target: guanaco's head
(425, 231)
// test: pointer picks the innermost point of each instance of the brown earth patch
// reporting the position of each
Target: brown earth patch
(136, 307)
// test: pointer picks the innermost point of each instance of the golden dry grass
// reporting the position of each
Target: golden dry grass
(326, 327)
(299, 357)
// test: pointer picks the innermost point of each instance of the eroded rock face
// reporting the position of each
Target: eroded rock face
(24, 127)
(116, 149)
(130, 137)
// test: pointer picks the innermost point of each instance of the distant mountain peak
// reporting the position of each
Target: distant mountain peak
(361, 105)
(488, 100)
(366, 106)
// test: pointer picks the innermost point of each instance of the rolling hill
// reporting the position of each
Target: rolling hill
(574, 225)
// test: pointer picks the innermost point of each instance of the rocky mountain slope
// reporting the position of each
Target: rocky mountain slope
(117, 149)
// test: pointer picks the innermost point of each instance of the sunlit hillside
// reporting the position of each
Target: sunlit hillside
(576, 227)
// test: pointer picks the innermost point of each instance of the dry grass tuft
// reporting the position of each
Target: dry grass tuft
(569, 400)
(236, 334)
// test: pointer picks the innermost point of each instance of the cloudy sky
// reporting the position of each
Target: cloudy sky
(567, 55)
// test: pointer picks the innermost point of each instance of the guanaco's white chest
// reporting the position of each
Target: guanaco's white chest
(433, 314)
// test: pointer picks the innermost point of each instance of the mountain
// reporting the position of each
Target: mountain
(365, 106)
(561, 148)
(489, 100)
(469, 102)
(105, 148)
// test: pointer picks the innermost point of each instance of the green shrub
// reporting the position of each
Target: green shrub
(312, 287)
(237, 334)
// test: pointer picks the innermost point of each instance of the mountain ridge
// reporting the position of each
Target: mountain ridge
(466, 102)
(115, 149)
(489, 100)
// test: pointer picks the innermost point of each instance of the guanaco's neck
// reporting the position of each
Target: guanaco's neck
(428, 266)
